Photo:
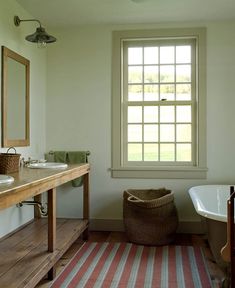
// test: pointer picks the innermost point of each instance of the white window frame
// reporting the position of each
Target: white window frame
(120, 169)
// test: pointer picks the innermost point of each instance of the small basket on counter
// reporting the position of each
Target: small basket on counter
(9, 162)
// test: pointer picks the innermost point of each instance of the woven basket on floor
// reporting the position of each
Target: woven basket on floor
(150, 216)
(9, 162)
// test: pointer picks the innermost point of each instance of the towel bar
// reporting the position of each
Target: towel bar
(52, 152)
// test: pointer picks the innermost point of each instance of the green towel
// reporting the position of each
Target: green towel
(77, 157)
(72, 157)
(60, 156)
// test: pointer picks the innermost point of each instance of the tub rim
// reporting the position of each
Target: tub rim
(200, 208)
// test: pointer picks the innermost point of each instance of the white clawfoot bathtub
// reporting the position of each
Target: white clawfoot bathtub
(210, 201)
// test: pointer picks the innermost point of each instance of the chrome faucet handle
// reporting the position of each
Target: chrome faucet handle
(24, 163)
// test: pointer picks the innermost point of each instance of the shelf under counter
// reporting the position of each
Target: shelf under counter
(24, 254)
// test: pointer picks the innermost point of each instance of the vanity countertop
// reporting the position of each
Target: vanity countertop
(31, 182)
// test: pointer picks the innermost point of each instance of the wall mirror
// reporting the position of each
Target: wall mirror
(15, 99)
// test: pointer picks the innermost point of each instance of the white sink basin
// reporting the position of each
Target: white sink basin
(48, 165)
(6, 179)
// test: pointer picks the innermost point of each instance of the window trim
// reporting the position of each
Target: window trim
(182, 172)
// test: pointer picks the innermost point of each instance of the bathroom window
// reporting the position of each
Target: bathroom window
(158, 104)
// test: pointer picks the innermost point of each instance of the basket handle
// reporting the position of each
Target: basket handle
(134, 199)
(11, 148)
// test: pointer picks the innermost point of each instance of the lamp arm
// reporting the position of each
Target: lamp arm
(35, 20)
(17, 21)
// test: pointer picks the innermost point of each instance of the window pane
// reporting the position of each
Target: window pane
(167, 73)
(150, 74)
(134, 133)
(167, 55)
(167, 152)
(150, 152)
(167, 114)
(135, 74)
(183, 73)
(134, 152)
(167, 92)
(183, 133)
(134, 114)
(151, 55)
(183, 113)
(150, 114)
(135, 55)
(150, 133)
(151, 92)
(135, 93)
(183, 92)
(167, 133)
(183, 152)
(183, 54)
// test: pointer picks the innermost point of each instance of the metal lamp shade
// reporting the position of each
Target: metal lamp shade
(40, 36)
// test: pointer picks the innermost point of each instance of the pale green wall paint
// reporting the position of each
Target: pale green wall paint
(79, 89)
(13, 38)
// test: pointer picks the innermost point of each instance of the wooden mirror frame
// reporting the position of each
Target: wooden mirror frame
(9, 54)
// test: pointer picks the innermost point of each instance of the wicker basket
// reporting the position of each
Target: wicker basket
(9, 162)
(150, 216)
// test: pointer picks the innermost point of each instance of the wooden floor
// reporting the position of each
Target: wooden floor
(217, 275)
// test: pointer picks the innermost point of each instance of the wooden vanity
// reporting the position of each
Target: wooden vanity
(27, 255)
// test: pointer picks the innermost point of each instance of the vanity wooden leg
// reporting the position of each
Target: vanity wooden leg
(51, 226)
(37, 214)
(51, 219)
(85, 203)
(51, 273)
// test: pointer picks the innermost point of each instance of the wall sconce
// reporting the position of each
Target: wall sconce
(40, 36)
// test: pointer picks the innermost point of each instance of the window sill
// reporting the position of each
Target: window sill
(160, 172)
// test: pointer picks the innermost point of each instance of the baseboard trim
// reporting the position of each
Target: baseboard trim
(16, 230)
(192, 227)
(106, 225)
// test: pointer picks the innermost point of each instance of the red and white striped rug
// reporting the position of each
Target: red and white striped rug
(124, 265)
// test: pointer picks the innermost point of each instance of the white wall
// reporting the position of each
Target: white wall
(79, 114)
(78, 111)
(13, 38)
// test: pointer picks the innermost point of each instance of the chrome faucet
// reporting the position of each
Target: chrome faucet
(24, 163)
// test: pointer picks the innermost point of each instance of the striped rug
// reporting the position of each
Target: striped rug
(124, 265)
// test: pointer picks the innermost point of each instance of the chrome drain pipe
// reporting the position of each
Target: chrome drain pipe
(42, 209)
